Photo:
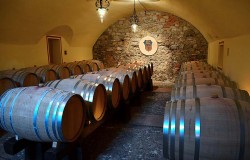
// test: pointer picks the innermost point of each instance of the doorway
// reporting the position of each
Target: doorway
(54, 47)
(220, 55)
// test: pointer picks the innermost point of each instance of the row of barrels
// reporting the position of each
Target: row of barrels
(194, 72)
(32, 76)
(59, 110)
(204, 119)
(139, 75)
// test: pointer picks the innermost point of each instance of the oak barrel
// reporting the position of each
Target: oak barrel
(21, 77)
(200, 71)
(206, 67)
(196, 67)
(98, 65)
(195, 63)
(44, 74)
(152, 68)
(146, 65)
(42, 114)
(5, 84)
(207, 74)
(132, 78)
(95, 65)
(145, 75)
(112, 86)
(139, 75)
(199, 91)
(63, 72)
(95, 95)
(123, 79)
(75, 69)
(207, 129)
(85, 66)
(208, 81)
(149, 70)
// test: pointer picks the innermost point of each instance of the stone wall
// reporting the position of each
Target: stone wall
(178, 41)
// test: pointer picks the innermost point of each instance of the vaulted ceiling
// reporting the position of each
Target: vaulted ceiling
(27, 21)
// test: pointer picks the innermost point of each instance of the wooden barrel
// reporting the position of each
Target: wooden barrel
(96, 65)
(85, 66)
(75, 69)
(207, 129)
(205, 67)
(208, 81)
(95, 95)
(152, 68)
(145, 75)
(132, 78)
(42, 114)
(62, 71)
(208, 74)
(5, 84)
(21, 77)
(200, 71)
(195, 64)
(123, 79)
(112, 86)
(195, 67)
(138, 70)
(199, 91)
(185, 66)
(148, 65)
(149, 70)
(44, 74)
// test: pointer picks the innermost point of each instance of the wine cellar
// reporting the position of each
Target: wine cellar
(124, 79)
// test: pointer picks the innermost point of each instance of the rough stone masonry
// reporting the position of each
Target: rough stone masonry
(178, 41)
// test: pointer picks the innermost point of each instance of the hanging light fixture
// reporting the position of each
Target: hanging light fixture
(102, 8)
(134, 20)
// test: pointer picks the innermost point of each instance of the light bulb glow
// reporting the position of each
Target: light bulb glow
(101, 12)
(134, 27)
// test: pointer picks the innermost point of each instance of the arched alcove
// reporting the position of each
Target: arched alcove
(177, 39)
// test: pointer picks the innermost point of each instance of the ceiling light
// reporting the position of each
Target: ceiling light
(102, 8)
(134, 20)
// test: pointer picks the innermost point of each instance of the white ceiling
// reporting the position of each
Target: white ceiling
(27, 21)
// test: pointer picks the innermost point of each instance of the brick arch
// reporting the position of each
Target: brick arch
(178, 41)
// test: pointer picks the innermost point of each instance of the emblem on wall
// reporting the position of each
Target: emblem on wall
(148, 45)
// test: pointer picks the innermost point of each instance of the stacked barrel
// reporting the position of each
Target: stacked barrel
(42, 114)
(93, 94)
(32, 76)
(70, 97)
(17, 78)
(207, 117)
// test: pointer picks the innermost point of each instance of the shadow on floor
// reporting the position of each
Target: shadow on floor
(138, 138)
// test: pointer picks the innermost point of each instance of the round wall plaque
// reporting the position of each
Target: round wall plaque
(148, 45)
